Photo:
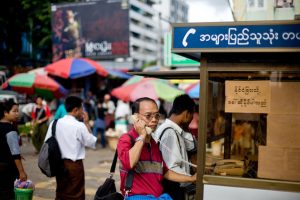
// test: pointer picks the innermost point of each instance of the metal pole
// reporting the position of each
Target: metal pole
(202, 129)
(159, 54)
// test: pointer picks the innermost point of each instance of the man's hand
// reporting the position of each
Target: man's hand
(194, 178)
(85, 117)
(139, 126)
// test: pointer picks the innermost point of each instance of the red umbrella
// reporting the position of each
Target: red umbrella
(75, 68)
(31, 83)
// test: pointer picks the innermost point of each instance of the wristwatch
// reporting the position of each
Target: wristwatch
(140, 139)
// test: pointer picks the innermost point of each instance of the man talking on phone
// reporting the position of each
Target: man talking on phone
(73, 134)
(143, 155)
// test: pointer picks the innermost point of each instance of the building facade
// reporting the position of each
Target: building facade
(252, 10)
(149, 20)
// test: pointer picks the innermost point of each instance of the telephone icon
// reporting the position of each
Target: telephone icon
(190, 31)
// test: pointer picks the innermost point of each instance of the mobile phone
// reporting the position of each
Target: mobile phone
(133, 118)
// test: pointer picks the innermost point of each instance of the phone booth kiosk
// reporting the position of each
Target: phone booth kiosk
(250, 80)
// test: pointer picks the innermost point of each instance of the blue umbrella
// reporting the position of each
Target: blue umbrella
(194, 90)
(118, 73)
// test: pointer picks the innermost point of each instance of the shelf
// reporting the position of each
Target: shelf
(255, 183)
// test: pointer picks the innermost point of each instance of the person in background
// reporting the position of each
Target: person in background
(144, 157)
(121, 116)
(99, 124)
(219, 125)
(237, 144)
(72, 136)
(175, 142)
(247, 138)
(90, 105)
(11, 167)
(27, 112)
(110, 108)
(61, 110)
(40, 116)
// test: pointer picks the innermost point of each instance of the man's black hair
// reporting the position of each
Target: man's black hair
(73, 102)
(6, 106)
(182, 103)
(136, 105)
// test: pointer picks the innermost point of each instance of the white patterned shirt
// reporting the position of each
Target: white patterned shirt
(174, 153)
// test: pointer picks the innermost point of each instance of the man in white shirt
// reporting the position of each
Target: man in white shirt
(175, 141)
(72, 136)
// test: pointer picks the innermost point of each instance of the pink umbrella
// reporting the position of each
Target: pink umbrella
(148, 87)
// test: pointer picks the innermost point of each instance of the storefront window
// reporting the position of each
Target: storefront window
(253, 119)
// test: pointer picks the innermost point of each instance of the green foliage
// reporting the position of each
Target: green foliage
(25, 129)
(32, 17)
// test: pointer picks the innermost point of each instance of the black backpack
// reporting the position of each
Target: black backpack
(49, 160)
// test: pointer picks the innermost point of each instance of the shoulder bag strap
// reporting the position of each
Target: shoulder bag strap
(113, 164)
(54, 127)
(158, 142)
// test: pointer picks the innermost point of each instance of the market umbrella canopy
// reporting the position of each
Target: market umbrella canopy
(75, 68)
(118, 74)
(148, 87)
(31, 83)
(193, 90)
(40, 70)
(136, 79)
(132, 80)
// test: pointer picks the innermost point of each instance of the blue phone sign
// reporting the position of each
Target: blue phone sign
(237, 37)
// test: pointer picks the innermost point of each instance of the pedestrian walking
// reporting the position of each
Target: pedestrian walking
(40, 117)
(11, 167)
(72, 135)
(175, 143)
(144, 157)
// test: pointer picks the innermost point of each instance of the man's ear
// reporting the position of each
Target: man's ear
(185, 114)
(75, 110)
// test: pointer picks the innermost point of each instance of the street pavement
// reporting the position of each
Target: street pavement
(97, 165)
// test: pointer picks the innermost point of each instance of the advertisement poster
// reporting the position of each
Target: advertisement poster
(247, 96)
(97, 30)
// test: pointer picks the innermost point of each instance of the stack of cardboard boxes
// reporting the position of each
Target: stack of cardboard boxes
(280, 158)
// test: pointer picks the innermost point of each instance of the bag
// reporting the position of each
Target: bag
(107, 191)
(49, 160)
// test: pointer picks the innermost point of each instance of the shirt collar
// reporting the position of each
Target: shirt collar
(170, 123)
(70, 116)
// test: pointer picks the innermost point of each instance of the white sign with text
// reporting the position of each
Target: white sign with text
(247, 96)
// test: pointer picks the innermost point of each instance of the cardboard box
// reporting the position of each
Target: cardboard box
(285, 98)
(279, 163)
(283, 130)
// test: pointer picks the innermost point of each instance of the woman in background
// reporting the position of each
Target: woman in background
(11, 167)
(40, 117)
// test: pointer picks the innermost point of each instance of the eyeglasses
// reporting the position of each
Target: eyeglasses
(150, 116)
